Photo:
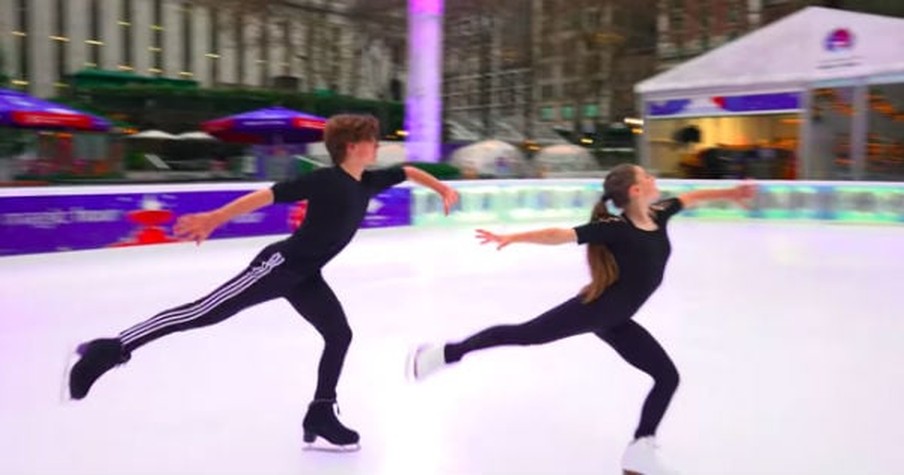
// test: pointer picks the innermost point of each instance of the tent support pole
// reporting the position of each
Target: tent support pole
(859, 129)
(805, 139)
(643, 145)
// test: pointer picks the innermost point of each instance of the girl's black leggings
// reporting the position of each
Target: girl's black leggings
(634, 343)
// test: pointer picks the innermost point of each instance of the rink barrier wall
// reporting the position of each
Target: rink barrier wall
(51, 219)
(67, 219)
(570, 200)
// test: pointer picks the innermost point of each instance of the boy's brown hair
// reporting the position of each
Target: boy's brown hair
(344, 129)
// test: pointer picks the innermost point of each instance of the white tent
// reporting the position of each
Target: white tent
(151, 135)
(196, 135)
(815, 44)
(388, 153)
(565, 158)
(773, 71)
(490, 158)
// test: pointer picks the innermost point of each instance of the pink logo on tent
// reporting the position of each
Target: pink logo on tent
(839, 39)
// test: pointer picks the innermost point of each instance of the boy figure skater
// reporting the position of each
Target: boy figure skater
(291, 269)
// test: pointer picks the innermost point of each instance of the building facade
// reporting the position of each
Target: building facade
(688, 28)
(304, 44)
(518, 69)
(487, 84)
(589, 54)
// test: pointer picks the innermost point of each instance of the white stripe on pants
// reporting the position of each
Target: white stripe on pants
(202, 307)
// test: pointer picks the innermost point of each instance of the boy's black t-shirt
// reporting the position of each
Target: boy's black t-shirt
(337, 204)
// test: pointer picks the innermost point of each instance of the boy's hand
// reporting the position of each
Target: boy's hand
(195, 227)
(450, 197)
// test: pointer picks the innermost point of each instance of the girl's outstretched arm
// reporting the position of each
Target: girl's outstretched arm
(550, 236)
(740, 194)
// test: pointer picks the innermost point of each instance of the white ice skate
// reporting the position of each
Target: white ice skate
(425, 360)
(640, 459)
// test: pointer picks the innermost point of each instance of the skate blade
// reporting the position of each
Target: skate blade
(626, 471)
(322, 445)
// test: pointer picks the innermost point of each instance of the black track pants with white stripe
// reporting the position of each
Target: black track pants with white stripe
(262, 281)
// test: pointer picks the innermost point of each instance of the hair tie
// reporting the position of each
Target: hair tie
(605, 198)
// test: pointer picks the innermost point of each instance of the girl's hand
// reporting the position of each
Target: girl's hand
(487, 237)
(743, 194)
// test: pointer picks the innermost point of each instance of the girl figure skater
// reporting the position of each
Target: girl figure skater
(627, 256)
(337, 199)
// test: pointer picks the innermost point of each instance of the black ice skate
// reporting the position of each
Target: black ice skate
(95, 358)
(321, 421)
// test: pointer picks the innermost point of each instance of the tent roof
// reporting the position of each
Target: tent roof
(814, 44)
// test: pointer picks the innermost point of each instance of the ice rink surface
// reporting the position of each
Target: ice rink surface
(789, 339)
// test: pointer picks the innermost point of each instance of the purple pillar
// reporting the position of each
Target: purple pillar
(423, 102)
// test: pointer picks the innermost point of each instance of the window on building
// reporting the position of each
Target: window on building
(552, 49)
(21, 34)
(568, 68)
(61, 41)
(336, 69)
(593, 19)
(597, 85)
(214, 54)
(548, 92)
(705, 24)
(264, 50)
(125, 29)
(187, 37)
(567, 112)
(574, 21)
(239, 34)
(95, 35)
(593, 64)
(287, 47)
(676, 16)
(734, 13)
(157, 39)
(547, 113)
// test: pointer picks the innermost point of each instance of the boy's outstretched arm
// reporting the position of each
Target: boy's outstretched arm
(198, 226)
(449, 195)
(549, 236)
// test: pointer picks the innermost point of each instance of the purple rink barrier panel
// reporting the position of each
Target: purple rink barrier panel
(64, 222)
